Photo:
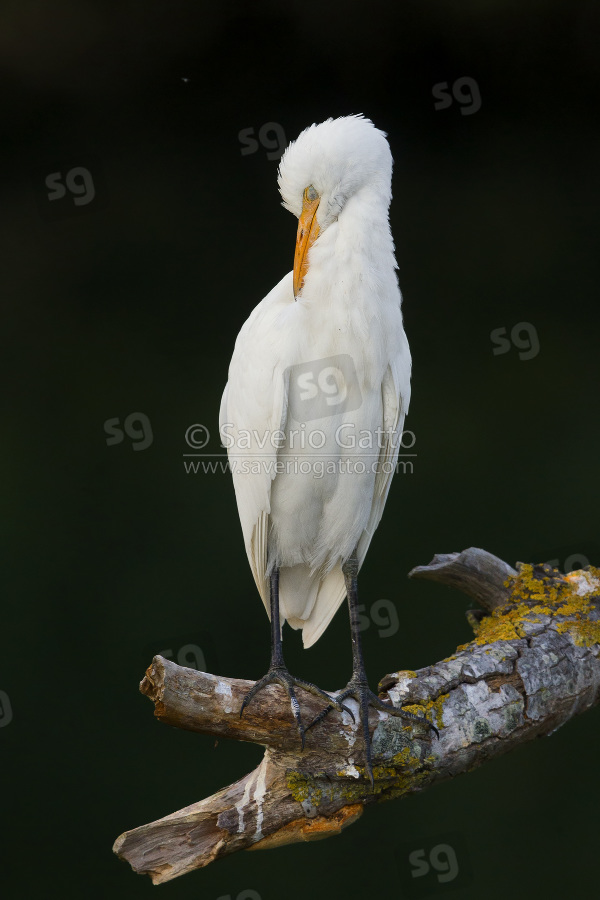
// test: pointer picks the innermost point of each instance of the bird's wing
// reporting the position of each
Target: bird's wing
(253, 410)
(395, 396)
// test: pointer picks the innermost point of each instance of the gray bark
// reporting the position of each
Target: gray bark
(532, 666)
(474, 572)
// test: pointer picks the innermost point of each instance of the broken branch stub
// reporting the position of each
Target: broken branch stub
(475, 572)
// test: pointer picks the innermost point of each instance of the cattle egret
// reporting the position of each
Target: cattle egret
(313, 411)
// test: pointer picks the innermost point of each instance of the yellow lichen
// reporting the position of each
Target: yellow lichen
(427, 706)
(534, 592)
(438, 706)
(403, 758)
(583, 632)
(400, 774)
(556, 595)
(302, 788)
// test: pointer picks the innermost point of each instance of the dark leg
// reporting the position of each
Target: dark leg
(358, 686)
(278, 670)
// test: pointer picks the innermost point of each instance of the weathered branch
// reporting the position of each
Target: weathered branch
(533, 664)
(474, 572)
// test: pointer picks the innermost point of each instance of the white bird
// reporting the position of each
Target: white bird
(319, 385)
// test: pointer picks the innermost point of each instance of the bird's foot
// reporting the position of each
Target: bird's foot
(359, 690)
(280, 675)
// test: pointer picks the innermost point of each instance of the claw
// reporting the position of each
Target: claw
(280, 675)
(325, 712)
(254, 691)
(333, 702)
(365, 698)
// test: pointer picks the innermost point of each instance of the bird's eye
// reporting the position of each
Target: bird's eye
(310, 193)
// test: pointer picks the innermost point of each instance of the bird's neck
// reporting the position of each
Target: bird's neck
(353, 259)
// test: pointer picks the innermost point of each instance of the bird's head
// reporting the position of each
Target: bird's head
(323, 169)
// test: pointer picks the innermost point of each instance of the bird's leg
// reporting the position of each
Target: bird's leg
(278, 671)
(358, 686)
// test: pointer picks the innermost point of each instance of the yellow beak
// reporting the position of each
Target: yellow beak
(308, 232)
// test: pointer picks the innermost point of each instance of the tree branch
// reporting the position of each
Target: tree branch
(474, 572)
(532, 665)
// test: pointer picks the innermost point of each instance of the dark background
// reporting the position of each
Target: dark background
(131, 303)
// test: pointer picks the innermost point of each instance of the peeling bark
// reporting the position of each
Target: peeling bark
(533, 664)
